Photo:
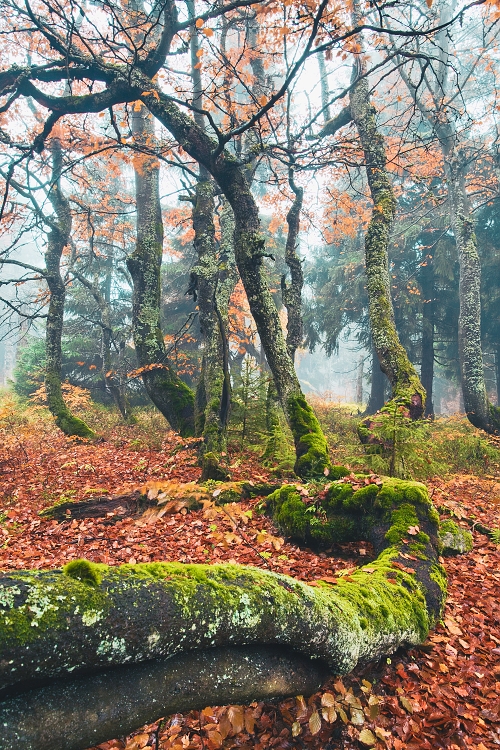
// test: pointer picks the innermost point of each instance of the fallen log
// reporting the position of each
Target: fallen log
(166, 496)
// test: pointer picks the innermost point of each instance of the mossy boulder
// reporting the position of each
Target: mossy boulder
(454, 539)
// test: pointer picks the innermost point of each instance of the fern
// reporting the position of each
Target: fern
(495, 536)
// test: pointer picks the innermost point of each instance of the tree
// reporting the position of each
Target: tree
(167, 391)
(435, 77)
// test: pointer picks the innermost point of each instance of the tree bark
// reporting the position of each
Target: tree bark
(292, 294)
(58, 238)
(479, 411)
(78, 623)
(214, 285)
(427, 282)
(167, 391)
(249, 246)
(215, 280)
(406, 386)
(377, 389)
(63, 716)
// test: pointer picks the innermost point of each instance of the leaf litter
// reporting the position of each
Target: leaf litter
(445, 694)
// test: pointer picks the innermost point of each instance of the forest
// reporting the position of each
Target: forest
(210, 537)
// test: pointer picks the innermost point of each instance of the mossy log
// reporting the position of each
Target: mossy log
(79, 622)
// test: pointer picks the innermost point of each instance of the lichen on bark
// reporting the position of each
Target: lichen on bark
(168, 392)
(58, 239)
(393, 358)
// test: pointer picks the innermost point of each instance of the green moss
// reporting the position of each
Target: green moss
(363, 498)
(337, 472)
(337, 496)
(84, 570)
(310, 443)
(403, 518)
(438, 575)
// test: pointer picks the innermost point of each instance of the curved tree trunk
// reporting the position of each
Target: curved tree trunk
(406, 386)
(63, 716)
(78, 623)
(249, 246)
(167, 391)
(58, 238)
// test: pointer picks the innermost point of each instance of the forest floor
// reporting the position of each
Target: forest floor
(445, 694)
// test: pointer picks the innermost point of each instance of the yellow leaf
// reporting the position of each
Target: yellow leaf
(408, 705)
(199, 23)
(367, 738)
(329, 714)
(296, 729)
(237, 718)
(315, 722)
(199, 52)
(208, 32)
(327, 699)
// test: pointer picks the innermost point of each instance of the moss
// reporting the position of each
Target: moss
(337, 472)
(337, 496)
(83, 570)
(438, 575)
(310, 443)
(363, 498)
(211, 468)
(403, 518)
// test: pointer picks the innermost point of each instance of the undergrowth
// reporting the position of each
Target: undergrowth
(425, 449)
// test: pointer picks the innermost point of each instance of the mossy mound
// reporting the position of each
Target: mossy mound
(345, 512)
(397, 517)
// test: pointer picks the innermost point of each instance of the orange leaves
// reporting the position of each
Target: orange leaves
(199, 23)
(147, 368)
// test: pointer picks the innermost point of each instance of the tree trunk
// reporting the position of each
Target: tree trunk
(292, 294)
(214, 286)
(497, 373)
(479, 411)
(214, 282)
(63, 716)
(427, 282)
(406, 386)
(78, 623)
(166, 390)
(377, 390)
(58, 239)
(249, 246)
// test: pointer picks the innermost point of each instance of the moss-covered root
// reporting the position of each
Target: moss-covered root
(397, 517)
(64, 715)
(454, 540)
(90, 617)
(311, 448)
